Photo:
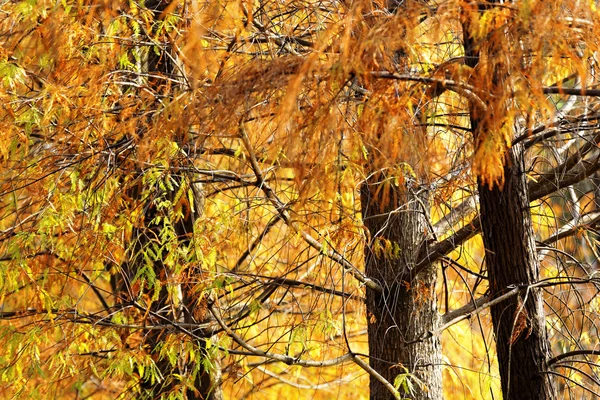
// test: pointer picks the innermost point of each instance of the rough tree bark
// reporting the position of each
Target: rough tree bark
(176, 305)
(396, 217)
(510, 252)
(519, 323)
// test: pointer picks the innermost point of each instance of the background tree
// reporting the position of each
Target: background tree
(325, 137)
(171, 202)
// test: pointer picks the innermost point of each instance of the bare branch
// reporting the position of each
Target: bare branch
(465, 311)
(285, 381)
(574, 353)
(376, 375)
(434, 252)
(573, 170)
(571, 228)
(556, 127)
(455, 215)
(571, 91)
(278, 357)
(282, 210)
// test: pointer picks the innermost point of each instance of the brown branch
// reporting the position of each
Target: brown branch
(434, 252)
(463, 312)
(255, 244)
(571, 91)
(573, 353)
(376, 375)
(460, 88)
(285, 216)
(455, 215)
(572, 171)
(77, 317)
(548, 130)
(483, 302)
(289, 360)
(574, 382)
(474, 307)
(317, 288)
(571, 228)
(86, 278)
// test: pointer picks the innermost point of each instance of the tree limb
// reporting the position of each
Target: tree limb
(577, 170)
(278, 357)
(571, 228)
(376, 375)
(574, 353)
(572, 171)
(460, 88)
(285, 216)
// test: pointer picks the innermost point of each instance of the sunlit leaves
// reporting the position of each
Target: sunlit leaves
(11, 74)
(99, 158)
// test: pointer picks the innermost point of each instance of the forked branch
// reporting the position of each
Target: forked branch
(285, 216)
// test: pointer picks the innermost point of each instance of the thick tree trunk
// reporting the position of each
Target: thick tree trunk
(511, 259)
(397, 221)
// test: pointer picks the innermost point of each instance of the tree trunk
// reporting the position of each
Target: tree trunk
(510, 252)
(174, 306)
(397, 221)
(177, 305)
(511, 259)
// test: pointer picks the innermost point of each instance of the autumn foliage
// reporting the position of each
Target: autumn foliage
(184, 185)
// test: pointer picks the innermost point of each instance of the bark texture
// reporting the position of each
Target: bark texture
(519, 323)
(175, 300)
(397, 221)
(396, 217)
(511, 259)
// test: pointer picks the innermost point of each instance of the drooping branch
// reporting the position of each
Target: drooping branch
(481, 303)
(574, 382)
(455, 316)
(316, 288)
(461, 88)
(258, 241)
(97, 291)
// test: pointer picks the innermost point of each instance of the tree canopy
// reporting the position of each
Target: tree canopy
(301, 198)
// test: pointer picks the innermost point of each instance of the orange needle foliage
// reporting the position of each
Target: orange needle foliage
(254, 125)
